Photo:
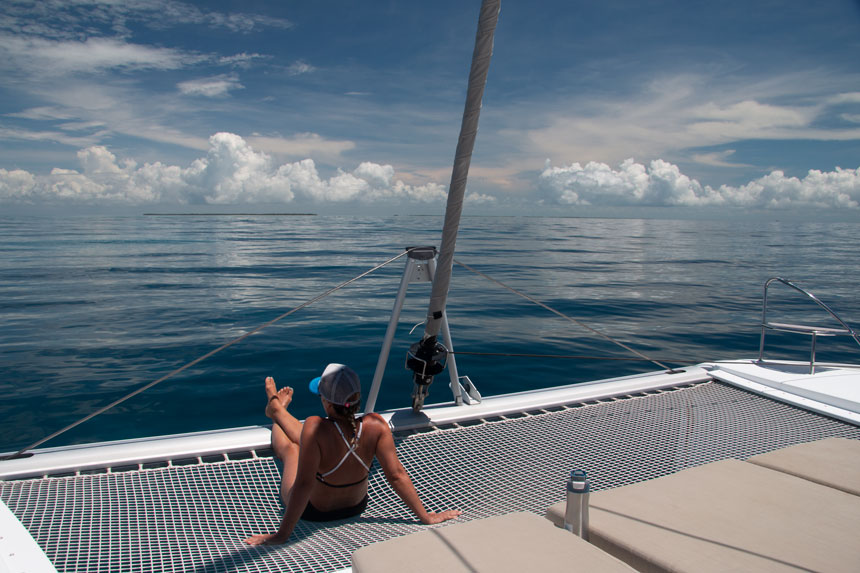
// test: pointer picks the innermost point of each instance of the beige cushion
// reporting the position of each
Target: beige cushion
(727, 515)
(513, 542)
(834, 462)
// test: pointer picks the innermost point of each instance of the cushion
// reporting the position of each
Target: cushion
(834, 462)
(727, 515)
(513, 542)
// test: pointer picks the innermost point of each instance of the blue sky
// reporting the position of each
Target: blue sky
(354, 107)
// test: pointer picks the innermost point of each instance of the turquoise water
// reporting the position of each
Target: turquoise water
(93, 308)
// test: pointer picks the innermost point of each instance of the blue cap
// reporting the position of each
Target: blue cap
(314, 386)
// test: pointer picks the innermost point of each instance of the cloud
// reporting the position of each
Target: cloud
(665, 115)
(41, 56)
(242, 60)
(299, 67)
(42, 135)
(216, 86)
(232, 172)
(16, 184)
(663, 184)
(747, 119)
(718, 159)
(72, 18)
(302, 145)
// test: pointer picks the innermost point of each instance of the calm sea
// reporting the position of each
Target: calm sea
(93, 308)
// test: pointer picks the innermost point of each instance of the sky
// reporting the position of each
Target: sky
(591, 108)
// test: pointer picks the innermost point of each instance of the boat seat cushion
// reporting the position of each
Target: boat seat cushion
(834, 462)
(726, 515)
(512, 542)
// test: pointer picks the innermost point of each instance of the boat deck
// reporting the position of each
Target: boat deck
(194, 517)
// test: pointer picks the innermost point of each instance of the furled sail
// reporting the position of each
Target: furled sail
(427, 357)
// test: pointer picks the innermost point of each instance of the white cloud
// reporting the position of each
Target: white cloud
(299, 67)
(55, 136)
(663, 184)
(43, 113)
(108, 110)
(40, 56)
(242, 60)
(232, 172)
(848, 97)
(70, 18)
(717, 159)
(745, 120)
(685, 112)
(16, 184)
(302, 145)
(216, 86)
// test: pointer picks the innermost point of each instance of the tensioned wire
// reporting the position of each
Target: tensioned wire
(309, 302)
(564, 316)
(205, 356)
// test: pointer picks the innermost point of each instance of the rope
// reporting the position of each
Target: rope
(564, 316)
(571, 357)
(104, 409)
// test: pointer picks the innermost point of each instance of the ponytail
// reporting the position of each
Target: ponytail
(347, 413)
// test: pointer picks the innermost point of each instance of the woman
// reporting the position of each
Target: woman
(326, 460)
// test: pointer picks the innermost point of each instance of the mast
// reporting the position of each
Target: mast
(427, 357)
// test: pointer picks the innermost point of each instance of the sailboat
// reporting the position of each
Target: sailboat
(186, 502)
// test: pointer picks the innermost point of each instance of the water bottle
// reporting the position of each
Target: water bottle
(576, 512)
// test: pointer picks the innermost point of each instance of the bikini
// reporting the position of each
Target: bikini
(311, 513)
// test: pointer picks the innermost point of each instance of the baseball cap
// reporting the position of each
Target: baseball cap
(337, 384)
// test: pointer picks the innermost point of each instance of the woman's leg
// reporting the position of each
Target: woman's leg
(286, 434)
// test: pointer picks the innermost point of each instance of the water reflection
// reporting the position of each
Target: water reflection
(94, 307)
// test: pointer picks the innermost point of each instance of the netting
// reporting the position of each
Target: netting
(194, 517)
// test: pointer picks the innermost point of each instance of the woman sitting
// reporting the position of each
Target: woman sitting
(326, 461)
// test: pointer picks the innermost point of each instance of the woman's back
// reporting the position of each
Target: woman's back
(341, 476)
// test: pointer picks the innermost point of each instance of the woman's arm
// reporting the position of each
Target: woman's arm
(309, 461)
(396, 474)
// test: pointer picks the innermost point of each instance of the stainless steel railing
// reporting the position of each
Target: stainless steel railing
(813, 331)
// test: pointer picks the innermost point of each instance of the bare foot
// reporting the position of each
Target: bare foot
(278, 399)
(271, 389)
(285, 395)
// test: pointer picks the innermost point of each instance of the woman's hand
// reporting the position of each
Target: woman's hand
(441, 516)
(265, 539)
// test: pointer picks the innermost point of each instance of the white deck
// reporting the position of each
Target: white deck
(833, 390)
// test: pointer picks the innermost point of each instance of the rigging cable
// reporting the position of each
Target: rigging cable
(103, 409)
(564, 316)
(569, 357)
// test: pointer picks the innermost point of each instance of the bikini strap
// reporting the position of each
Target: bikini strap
(350, 449)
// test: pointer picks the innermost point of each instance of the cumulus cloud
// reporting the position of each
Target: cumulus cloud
(662, 184)
(232, 172)
(302, 145)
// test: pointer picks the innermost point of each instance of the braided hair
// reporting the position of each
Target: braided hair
(347, 413)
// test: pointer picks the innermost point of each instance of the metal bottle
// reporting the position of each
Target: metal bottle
(576, 512)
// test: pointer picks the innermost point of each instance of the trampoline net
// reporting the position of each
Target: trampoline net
(194, 517)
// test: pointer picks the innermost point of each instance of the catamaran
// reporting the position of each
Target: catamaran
(746, 464)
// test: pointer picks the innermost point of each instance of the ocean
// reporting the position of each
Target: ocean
(94, 307)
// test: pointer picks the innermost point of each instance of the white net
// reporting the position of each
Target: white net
(194, 517)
